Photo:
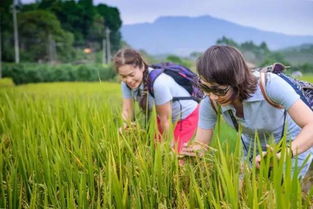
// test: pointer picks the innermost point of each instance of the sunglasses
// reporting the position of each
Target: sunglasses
(213, 90)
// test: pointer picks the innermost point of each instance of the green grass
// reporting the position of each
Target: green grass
(60, 148)
(6, 82)
(308, 78)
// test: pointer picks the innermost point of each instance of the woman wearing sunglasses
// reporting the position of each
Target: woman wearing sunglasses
(228, 83)
(182, 114)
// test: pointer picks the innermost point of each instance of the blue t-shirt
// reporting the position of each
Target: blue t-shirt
(259, 116)
(165, 88)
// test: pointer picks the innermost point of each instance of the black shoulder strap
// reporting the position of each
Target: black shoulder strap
(152, 76)
(182, 98)
(236, 125)
(234, 120)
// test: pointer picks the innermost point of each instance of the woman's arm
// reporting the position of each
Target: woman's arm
(200, 144)
(282, 93)
(164, 113)
(127, 110)
(303, 116)
(207, 120)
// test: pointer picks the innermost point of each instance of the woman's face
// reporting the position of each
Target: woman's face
(222, 94)
(132, 75)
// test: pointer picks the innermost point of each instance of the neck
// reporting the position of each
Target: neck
(236, 103)
(239, 108)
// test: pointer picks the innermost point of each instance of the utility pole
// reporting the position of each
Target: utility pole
(108, 45)
(104, 60)
(51, 49)
(17, 53)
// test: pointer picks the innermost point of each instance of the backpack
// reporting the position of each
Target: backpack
(303, 89)
(182, 75)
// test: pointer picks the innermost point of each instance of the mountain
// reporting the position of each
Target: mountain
(182, 35)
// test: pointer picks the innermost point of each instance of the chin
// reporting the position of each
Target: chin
(134, 86)
(224, 103)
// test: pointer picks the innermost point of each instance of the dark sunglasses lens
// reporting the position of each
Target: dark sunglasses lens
(204, 87)
(207, 89)
(216, 91)
(220, 92)
(223, 92)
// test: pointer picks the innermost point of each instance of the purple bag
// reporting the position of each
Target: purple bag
(182, 75)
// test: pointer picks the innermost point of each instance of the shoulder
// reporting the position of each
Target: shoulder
(280, 91)
(275, 84)
(206, 106)
(163, 80)
(125, 87)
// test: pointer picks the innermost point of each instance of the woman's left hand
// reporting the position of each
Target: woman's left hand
(259, 157)
(194, 149)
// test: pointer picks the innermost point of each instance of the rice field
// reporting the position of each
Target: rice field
(60, 148)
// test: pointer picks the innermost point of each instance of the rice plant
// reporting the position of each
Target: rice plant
(60, 148)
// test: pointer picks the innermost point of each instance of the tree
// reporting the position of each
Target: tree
(264, 47)
(35, 29)
(82, 22)
(274, 57)
(178, 60)
(75, 17)
(112, 20)
(87, 15)
(227, 41)
(6, 22)
(195, 55)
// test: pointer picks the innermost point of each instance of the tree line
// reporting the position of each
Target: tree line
(59, 30)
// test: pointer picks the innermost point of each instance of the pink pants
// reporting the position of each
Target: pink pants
(184, 129)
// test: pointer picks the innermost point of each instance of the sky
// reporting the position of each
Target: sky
(294, 17)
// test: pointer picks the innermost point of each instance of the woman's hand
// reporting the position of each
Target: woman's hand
(258, 159)
(127, 127)
(199, 146)
(194, 149)
(288, 153)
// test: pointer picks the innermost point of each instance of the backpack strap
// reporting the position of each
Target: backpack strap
(233, 119)
(182, 98)
(274, 68)
(152, 76)
(158, 69)
(263, 81)
(214, 105)
(278, 67)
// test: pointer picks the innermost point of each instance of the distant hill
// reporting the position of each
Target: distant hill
(183, 35)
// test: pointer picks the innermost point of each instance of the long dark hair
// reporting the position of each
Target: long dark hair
(129, 56)
(225, 65)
